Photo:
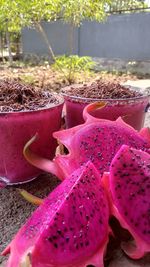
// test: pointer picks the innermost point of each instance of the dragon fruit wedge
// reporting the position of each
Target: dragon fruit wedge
(128, 185)
(69, 229)
(145, 132)
(96, 140)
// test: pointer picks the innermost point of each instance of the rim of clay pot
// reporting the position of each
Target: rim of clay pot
(145, 96)
(60, 98)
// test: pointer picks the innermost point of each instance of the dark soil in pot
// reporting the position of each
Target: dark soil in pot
(121, 101)
(24, 111)
(15, 96)
(100, 89)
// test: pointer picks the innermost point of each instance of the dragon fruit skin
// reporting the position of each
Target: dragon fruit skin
(145, 132)
(96, 140)
(69, 229)
(128, 185)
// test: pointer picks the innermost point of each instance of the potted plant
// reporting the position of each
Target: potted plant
(120, 100)
(24, 111)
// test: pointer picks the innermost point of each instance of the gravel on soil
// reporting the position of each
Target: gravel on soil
(16, 96)
(101, 89)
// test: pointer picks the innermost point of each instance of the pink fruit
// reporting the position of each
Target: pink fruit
(97, 140)
(145, 132)
(129, 188)
(69, 229)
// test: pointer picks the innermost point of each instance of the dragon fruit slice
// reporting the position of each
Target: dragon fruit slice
(129, 188)
(69, 229)
(96, 140)
(145, 132)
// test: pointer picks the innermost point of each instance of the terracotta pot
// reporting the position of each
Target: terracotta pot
(16, 128)
(132, 110)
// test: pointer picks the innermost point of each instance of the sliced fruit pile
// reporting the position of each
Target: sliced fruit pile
(106, 172)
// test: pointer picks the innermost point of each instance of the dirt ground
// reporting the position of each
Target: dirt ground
(45, 76)
(14, 210)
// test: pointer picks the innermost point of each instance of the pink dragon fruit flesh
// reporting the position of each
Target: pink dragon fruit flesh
(96, 140)
(69, 229)
(129, 187)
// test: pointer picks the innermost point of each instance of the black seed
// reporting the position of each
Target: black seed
(81, 235)
(76, 246)
(67, 239)
(100, 221)
(55, 245)
(86, 243)
(65, 229)
(59, 232)
(50, 239)
(87, 217)
(145, 179)
(132, 194)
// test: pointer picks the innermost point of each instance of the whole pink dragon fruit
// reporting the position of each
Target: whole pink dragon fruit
(69, 229)
(128, 185)
(96, 140)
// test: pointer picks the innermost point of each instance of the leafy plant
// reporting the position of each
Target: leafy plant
(20, 13)
(72, 65)
(127, 6)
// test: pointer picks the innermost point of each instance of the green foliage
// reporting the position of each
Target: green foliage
(18, 13)
(72, 65)
(75, 11)
(15, 14)
(34, 11)
(10, 15)
(127, 4)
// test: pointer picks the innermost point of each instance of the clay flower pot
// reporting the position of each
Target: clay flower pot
(132, 109)
(16, 128)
